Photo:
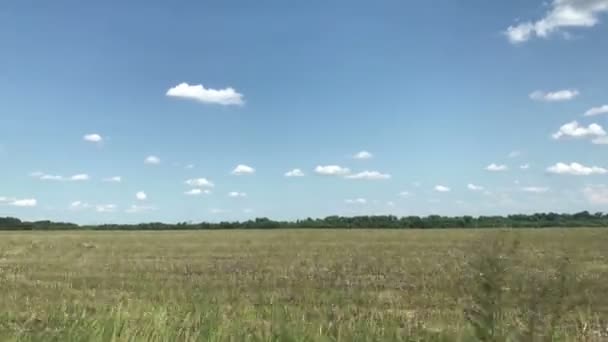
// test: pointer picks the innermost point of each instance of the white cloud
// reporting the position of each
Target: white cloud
(52, 177)
(200, 182)
(363, 155)
(47, 177)
(474, 187)
(576, 169)
(80, 177)
(441, 188)
(560, 95)
(369, 175)
(76, 205)
(105, 208)
(30, 202)
(404, 194)
(248, 211)
(535, 189)
(597, 110)
(356, 201)
(596, 194)
(514, 154)
(94, 137)
(226, 97)
(115, 179)
(236, 194)
(134, 208)
(241, 169)
(332, 170)
(196, 192)
(524, 166)
(294, 173)
(189, 167)
(141, 196)
(600, 140)
(563, 14)
(573, 130)
(496, 168)
(390, 203)
(152, 160)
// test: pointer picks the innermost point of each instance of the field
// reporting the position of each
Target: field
(305, 285)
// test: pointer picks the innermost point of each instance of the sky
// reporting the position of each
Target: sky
(136, 111)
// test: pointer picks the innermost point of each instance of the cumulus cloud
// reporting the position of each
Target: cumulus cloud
(474, 187)
(574, 130)
(241, 169)
(441, 188)
(524, 166)
(115, 179)
(597, 110)
(141, 196)
(29, 202)
(200, 182)
(356, 201)
(294, 173)
(152, 160)
(363, 155)
(369, 175)
(563, 14)
(596, 194)
(496, 168)
(105, 208)
(332, 170)
(535, 189)
(576, 169)
(94, 137)
(197, 192)
(227, 96)
(236, 194)
(556, 96)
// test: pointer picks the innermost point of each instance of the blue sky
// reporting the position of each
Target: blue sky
(449, 101)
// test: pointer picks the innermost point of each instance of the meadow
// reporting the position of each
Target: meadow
(305, 285)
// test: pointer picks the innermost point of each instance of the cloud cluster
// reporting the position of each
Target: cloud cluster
(74, 178)
(200, 183)
(27, 202)
(576, 169)
(356, 201)
(94, 137)
(152, 160)
(242, 169)
(556, 96)
(442, 188)
(563, 14)
(474, 187)
(363, 155)
(574, 130)
(496, 168)
(294, 173)
(332, 170)
(226, 97)
(369, 175)
(597, 110)
(141, 196)
(236, 194)
(197, 192)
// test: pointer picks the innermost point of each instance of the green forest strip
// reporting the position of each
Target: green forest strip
(539, 220)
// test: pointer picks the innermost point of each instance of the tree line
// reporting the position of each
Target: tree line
(538, 220)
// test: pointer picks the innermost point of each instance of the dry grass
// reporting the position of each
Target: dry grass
(304, 285)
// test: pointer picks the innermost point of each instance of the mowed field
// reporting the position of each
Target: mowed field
(305, 285)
